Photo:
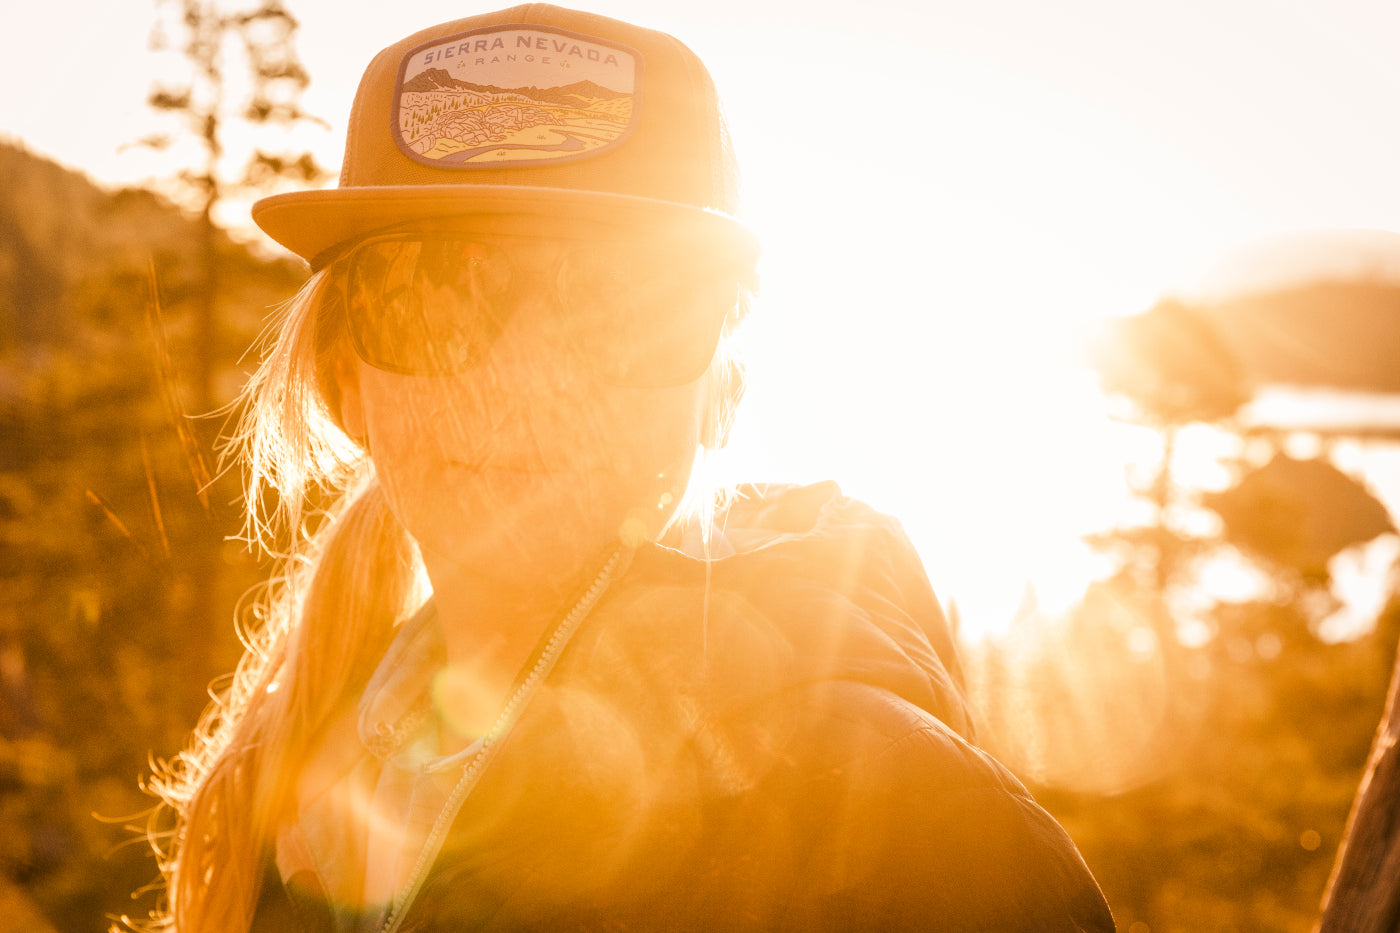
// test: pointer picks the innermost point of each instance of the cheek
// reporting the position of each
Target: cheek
(414, 433)
(646, 429)
(574, 469)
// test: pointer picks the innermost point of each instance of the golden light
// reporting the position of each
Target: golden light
(949, 197)
(932, 260)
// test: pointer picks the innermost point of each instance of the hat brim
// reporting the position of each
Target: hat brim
(313, 224)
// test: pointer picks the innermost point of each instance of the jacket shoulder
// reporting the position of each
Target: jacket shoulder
(920, 824)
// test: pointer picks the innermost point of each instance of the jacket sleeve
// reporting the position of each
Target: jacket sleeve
(932, 833)
(288, 907)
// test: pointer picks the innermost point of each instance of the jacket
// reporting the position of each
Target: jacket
(776, 741)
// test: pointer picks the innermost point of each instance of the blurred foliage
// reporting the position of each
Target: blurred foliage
(227, 48)
(1298, 514)
(1172, 365)
(110, 626)
(119, 314)
(1203, 753)
(1238, 829)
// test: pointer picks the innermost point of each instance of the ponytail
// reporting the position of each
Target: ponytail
(313, 635)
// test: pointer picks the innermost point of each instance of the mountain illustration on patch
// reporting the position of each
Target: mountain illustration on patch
(451, 121)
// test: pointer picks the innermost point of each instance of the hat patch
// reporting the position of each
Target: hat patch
(514, 95)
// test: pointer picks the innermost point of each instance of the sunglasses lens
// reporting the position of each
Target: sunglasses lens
(641, 315)
(425, 307)
(644, 317)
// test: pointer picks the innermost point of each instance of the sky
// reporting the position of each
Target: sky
(949, 194)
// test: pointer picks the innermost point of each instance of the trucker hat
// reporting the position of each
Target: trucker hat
(533, 110)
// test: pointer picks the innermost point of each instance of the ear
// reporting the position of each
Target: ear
(345, 375)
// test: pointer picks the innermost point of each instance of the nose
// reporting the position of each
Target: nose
(535, 359)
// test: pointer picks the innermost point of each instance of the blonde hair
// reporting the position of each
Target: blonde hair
(349, 573)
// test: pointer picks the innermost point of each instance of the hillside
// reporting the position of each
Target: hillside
(1335, 334)
(118, 580)
(75, 256)
(1203, 360)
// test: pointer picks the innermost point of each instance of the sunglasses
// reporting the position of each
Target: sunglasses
(643, 312)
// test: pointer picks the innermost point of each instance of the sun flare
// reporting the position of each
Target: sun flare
(919, 334)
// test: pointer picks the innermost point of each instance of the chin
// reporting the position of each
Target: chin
(517, 524)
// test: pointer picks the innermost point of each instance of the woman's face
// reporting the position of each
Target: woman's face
(528, 458)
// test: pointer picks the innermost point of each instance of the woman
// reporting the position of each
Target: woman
(512, 678)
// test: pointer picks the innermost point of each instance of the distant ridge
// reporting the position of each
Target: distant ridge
(1337, 334)
(436, 79)
(77, 258)
(1293, 258)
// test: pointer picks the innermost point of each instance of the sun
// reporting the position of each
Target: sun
(930, 271)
